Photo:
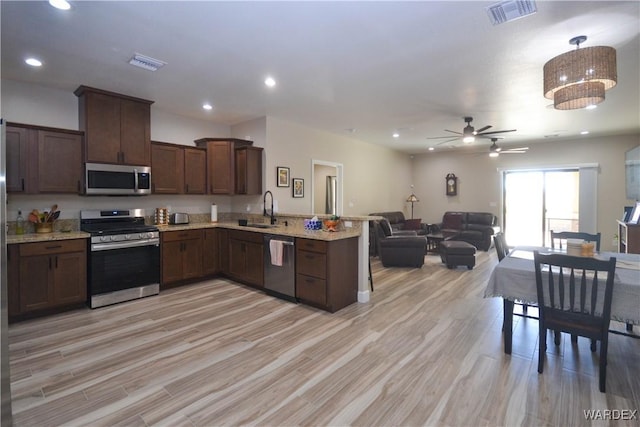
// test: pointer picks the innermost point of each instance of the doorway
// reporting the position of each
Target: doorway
(326, 187)
(536, 202)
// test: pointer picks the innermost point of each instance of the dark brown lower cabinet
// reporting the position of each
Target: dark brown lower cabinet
(46, 275)
(181, 255)
(245, 257)
(327, 272)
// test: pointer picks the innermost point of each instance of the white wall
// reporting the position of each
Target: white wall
(479, 180)
(375, 178)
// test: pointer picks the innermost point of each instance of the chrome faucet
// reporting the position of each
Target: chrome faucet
(264, 203)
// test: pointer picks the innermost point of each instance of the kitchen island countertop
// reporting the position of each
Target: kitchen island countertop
(281, 230)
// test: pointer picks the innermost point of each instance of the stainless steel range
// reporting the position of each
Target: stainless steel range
(124, 257)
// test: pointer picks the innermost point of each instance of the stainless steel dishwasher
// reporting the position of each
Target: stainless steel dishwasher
(280, 266)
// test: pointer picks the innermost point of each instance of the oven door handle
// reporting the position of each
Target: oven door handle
(95, 247)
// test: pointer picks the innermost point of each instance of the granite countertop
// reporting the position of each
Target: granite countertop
(282, 230)
(46, 237)
(279, 229)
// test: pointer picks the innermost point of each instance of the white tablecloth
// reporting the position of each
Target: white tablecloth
(514, 279)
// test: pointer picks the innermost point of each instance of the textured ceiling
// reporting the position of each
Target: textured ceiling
(377, 67)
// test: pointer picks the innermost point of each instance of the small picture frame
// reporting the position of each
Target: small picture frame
(627, 213)
(635, 215)
(298, 187)
(282, 176)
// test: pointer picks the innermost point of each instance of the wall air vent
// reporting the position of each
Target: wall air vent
(509, 10)
(146, 62)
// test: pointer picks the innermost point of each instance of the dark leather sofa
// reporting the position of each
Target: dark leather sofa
(398, 222)
(476, 228)
(401, 248)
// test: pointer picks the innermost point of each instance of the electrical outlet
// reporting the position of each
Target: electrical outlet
(348, 224)
(248, 208)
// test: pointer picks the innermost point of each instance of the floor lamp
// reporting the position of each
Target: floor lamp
(412, 199)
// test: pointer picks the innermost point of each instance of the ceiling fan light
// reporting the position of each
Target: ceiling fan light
(494, 154)
(577, 96)
(468, 139)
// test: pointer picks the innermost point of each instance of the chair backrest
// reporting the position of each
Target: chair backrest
(574, 293)
(383, 228)
(501, 245)
(562, 236)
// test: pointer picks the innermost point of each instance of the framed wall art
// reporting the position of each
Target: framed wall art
(298, 187)
(282, 176)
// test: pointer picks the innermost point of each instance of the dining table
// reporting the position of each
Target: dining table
(513, 279)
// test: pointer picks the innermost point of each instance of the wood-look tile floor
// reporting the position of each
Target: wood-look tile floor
(426, 350)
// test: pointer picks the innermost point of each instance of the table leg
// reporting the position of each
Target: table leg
(507, 324)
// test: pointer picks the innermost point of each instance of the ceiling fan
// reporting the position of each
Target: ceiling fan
(495, 151)
(469, 134)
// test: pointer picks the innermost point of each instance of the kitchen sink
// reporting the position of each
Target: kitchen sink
(261, 225)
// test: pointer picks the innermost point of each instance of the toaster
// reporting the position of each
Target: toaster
(179, 218)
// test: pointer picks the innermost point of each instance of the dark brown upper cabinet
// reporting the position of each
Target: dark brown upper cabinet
(177, 169)
(248, 174)
(117, 127)
(35, 155)
(223, 167)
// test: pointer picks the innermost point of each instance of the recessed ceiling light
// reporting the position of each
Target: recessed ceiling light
(591, 107)
(584, 132)
(207, 106)
(270, 82)
(431, 148)
(60, 4)
(33, 62)
(396, 135)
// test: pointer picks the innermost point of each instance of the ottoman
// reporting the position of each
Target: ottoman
(454, 253)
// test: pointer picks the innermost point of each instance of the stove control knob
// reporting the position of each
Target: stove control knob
(113, 238)
(104, 238)
(127, 237)
(141, 236)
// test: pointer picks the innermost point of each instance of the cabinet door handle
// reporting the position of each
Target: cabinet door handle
(79, 186)
(53, 247)
(49, 263)
(56, 262)
(187, 188)
(122, 156)
(22, 183)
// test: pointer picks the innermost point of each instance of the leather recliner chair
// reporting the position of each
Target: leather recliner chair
(399, 248)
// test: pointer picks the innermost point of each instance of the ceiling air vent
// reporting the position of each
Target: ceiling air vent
(509, 10)
(146, 62)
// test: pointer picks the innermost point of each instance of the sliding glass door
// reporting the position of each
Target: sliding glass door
(536, 202)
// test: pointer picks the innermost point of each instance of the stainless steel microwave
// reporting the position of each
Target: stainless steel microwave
(117, 180)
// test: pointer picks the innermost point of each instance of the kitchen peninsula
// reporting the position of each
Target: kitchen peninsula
(330, 273)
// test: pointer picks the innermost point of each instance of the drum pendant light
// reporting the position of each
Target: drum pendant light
(579, 78)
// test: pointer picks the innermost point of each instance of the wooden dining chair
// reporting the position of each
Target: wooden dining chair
(501, 245)
(571, 299)
(502, 249)
(562, 236)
